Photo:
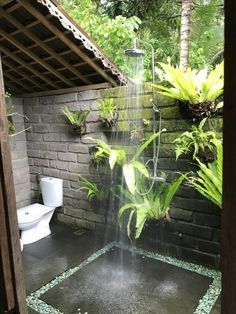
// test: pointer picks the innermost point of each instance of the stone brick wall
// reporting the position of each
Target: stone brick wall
(194, 230)
(19, 155)
(54, 150)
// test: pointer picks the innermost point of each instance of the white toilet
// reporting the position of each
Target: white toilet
(33, 220)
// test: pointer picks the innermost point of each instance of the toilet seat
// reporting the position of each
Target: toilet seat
(32, 212)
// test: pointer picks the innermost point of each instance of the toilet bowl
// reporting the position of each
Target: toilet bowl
(33, 220)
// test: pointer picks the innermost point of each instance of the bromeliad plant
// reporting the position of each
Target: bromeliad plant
(197, 89)
(108, 112)
(147, 205)
(209, 177)
(198, 142)
(76, 118)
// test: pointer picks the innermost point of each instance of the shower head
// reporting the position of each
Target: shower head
(134, 52)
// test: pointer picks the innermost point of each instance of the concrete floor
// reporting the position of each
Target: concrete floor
(140, 286)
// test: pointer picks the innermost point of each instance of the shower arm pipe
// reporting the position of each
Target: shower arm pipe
(155, 145)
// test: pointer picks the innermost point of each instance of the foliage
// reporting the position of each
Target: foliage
(198, 142)
(145, 206)
(92, 189)
(113, 35)
(196, 88)
(77, 117)
(118, 156)
(207, 34)
(209, 179)
(161, 28)
(11, 127)
(108, 111)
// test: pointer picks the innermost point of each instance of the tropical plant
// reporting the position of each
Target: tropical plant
(92, 189)
(108, 111)
(118, 156)
(209, 177)
(147, 205)
(198, 142)
(113, 35)
(76, 118)
(195, 88)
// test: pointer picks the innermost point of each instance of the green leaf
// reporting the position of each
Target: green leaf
(170, 192)
(143, 146)
(129, 175)
(140, 167)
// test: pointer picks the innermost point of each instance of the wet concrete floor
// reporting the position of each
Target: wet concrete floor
(116, 282)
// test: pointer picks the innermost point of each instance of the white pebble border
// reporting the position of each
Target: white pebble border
(205, 304)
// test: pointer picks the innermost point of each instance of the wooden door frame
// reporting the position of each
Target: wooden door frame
(10, 257)
(229, 181)
(12, 285)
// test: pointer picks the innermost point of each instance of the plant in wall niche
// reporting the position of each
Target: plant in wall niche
(197, 89)
(208, 181)
(198, 142)
(96, 161)
(137, 134)
(118, 156)
(92, 189)
(108, 112)
(77, 119)
(147, 205)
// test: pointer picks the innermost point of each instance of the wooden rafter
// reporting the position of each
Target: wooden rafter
(22, 73)
(39, 42)
(18, 82)
(44, 49)
(32, 55)
(28, 66)
(65, 40)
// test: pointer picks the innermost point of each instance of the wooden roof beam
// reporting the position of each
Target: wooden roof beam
(33, 56)
(27, 66)
(24, 75)
(65, 40)
(68, 90)
(27, 26)
(12, 86)
(19, 83)
(40, 43)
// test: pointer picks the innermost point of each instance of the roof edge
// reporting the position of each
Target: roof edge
(68, 23)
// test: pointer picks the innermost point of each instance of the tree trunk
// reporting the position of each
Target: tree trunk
(185, 33)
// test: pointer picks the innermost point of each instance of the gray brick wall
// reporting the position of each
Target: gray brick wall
(19, 156)
(53, 150)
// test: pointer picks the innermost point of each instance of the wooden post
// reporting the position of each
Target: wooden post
(13, 297)
(229, 184)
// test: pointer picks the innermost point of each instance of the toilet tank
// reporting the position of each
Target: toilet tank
(52, 191)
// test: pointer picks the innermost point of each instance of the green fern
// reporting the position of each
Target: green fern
(197, 142)
(108, 111)
(209, 177)
(92, 189)
(76, 118)
(144, 206)
(193, 86)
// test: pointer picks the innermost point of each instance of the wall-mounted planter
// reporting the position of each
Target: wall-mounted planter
(77, 119)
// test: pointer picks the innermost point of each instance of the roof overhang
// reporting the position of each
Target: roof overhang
(44, 50)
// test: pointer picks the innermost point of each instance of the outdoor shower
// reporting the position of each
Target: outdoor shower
(134, 53)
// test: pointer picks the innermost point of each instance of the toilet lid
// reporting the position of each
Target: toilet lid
(31, 212)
